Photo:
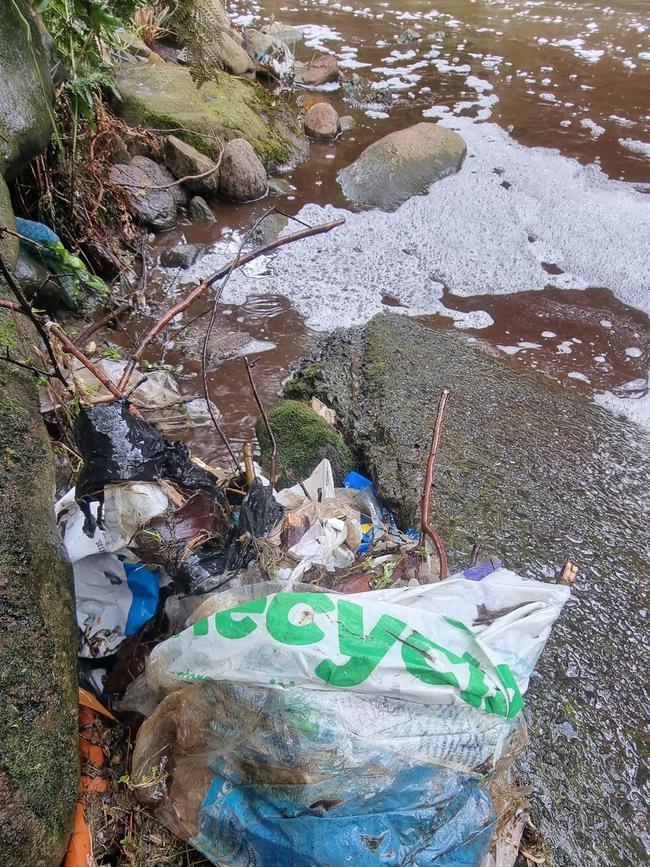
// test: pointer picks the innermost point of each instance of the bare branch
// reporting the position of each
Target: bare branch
(425, 527)
(267, 423)
(158, 326)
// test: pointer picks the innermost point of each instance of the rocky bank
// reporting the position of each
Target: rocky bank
(39, 771)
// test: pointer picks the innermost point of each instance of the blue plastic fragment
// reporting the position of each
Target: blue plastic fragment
(368, 816)
(478, 573)
(357, 481)
(38, 233)
(145, 587)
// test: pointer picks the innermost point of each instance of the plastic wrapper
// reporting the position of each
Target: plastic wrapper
(315, 728)
(208, 567)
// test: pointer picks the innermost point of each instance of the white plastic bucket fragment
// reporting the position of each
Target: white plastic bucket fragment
(315, 728)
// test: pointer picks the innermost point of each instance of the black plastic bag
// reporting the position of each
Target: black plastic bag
(118, 447)
(208, 569)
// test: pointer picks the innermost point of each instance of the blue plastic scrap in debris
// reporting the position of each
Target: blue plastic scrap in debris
(367, 816)
(357, 481)
(145, 586)
(479, 572)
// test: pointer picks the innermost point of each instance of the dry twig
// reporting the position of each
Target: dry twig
(258, 400)
(425, 526)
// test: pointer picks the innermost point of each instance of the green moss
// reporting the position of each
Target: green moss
(165, 97)
(305, 385)
(303, 439)
(38, 692)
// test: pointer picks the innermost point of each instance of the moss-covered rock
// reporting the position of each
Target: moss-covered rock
(165, 97)
(39, 770)
(8, 243)
(303, 439)
(536, 476)
(26, 117)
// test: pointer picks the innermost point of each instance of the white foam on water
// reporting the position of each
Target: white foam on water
(637, 147)
(575, 374)
(593, 127)
(633, 352)
(635, 407)
(478, 84)
(468, 234)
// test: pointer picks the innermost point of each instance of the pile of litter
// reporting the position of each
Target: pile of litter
(314, 689)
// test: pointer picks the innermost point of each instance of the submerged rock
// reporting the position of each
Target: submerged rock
(153, 207)
(165, 97)
(242, 176)
(303, 439)
(181, 256)
(200, 210)
(39, 765)
(184, 161)
(322, 70)
(409, 35)
(403, 164)
(26, 114)
(360, 94)
(280, 187)
(322, 122)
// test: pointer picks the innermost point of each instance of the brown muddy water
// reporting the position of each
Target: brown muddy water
(540, 246)
(571, 77)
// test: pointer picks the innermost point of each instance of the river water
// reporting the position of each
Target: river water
(540, 246)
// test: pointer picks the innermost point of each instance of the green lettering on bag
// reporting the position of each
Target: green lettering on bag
(201, 627)
(417, 653)
(515, 702)
(365, 651)
(281, 628)
(230, 628)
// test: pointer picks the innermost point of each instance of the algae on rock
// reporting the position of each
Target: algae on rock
(303, 439)
(39, 770)
(164, 97)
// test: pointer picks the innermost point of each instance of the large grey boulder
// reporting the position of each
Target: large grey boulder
(154, 207)
(242, 174)
(26, 115)
(207, 30)
(184, 160)
(165, 97)
(536, 476)
(39, 765)
(234, 58)
(402, 164)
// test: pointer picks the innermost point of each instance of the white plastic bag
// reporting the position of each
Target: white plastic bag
(463, 642)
